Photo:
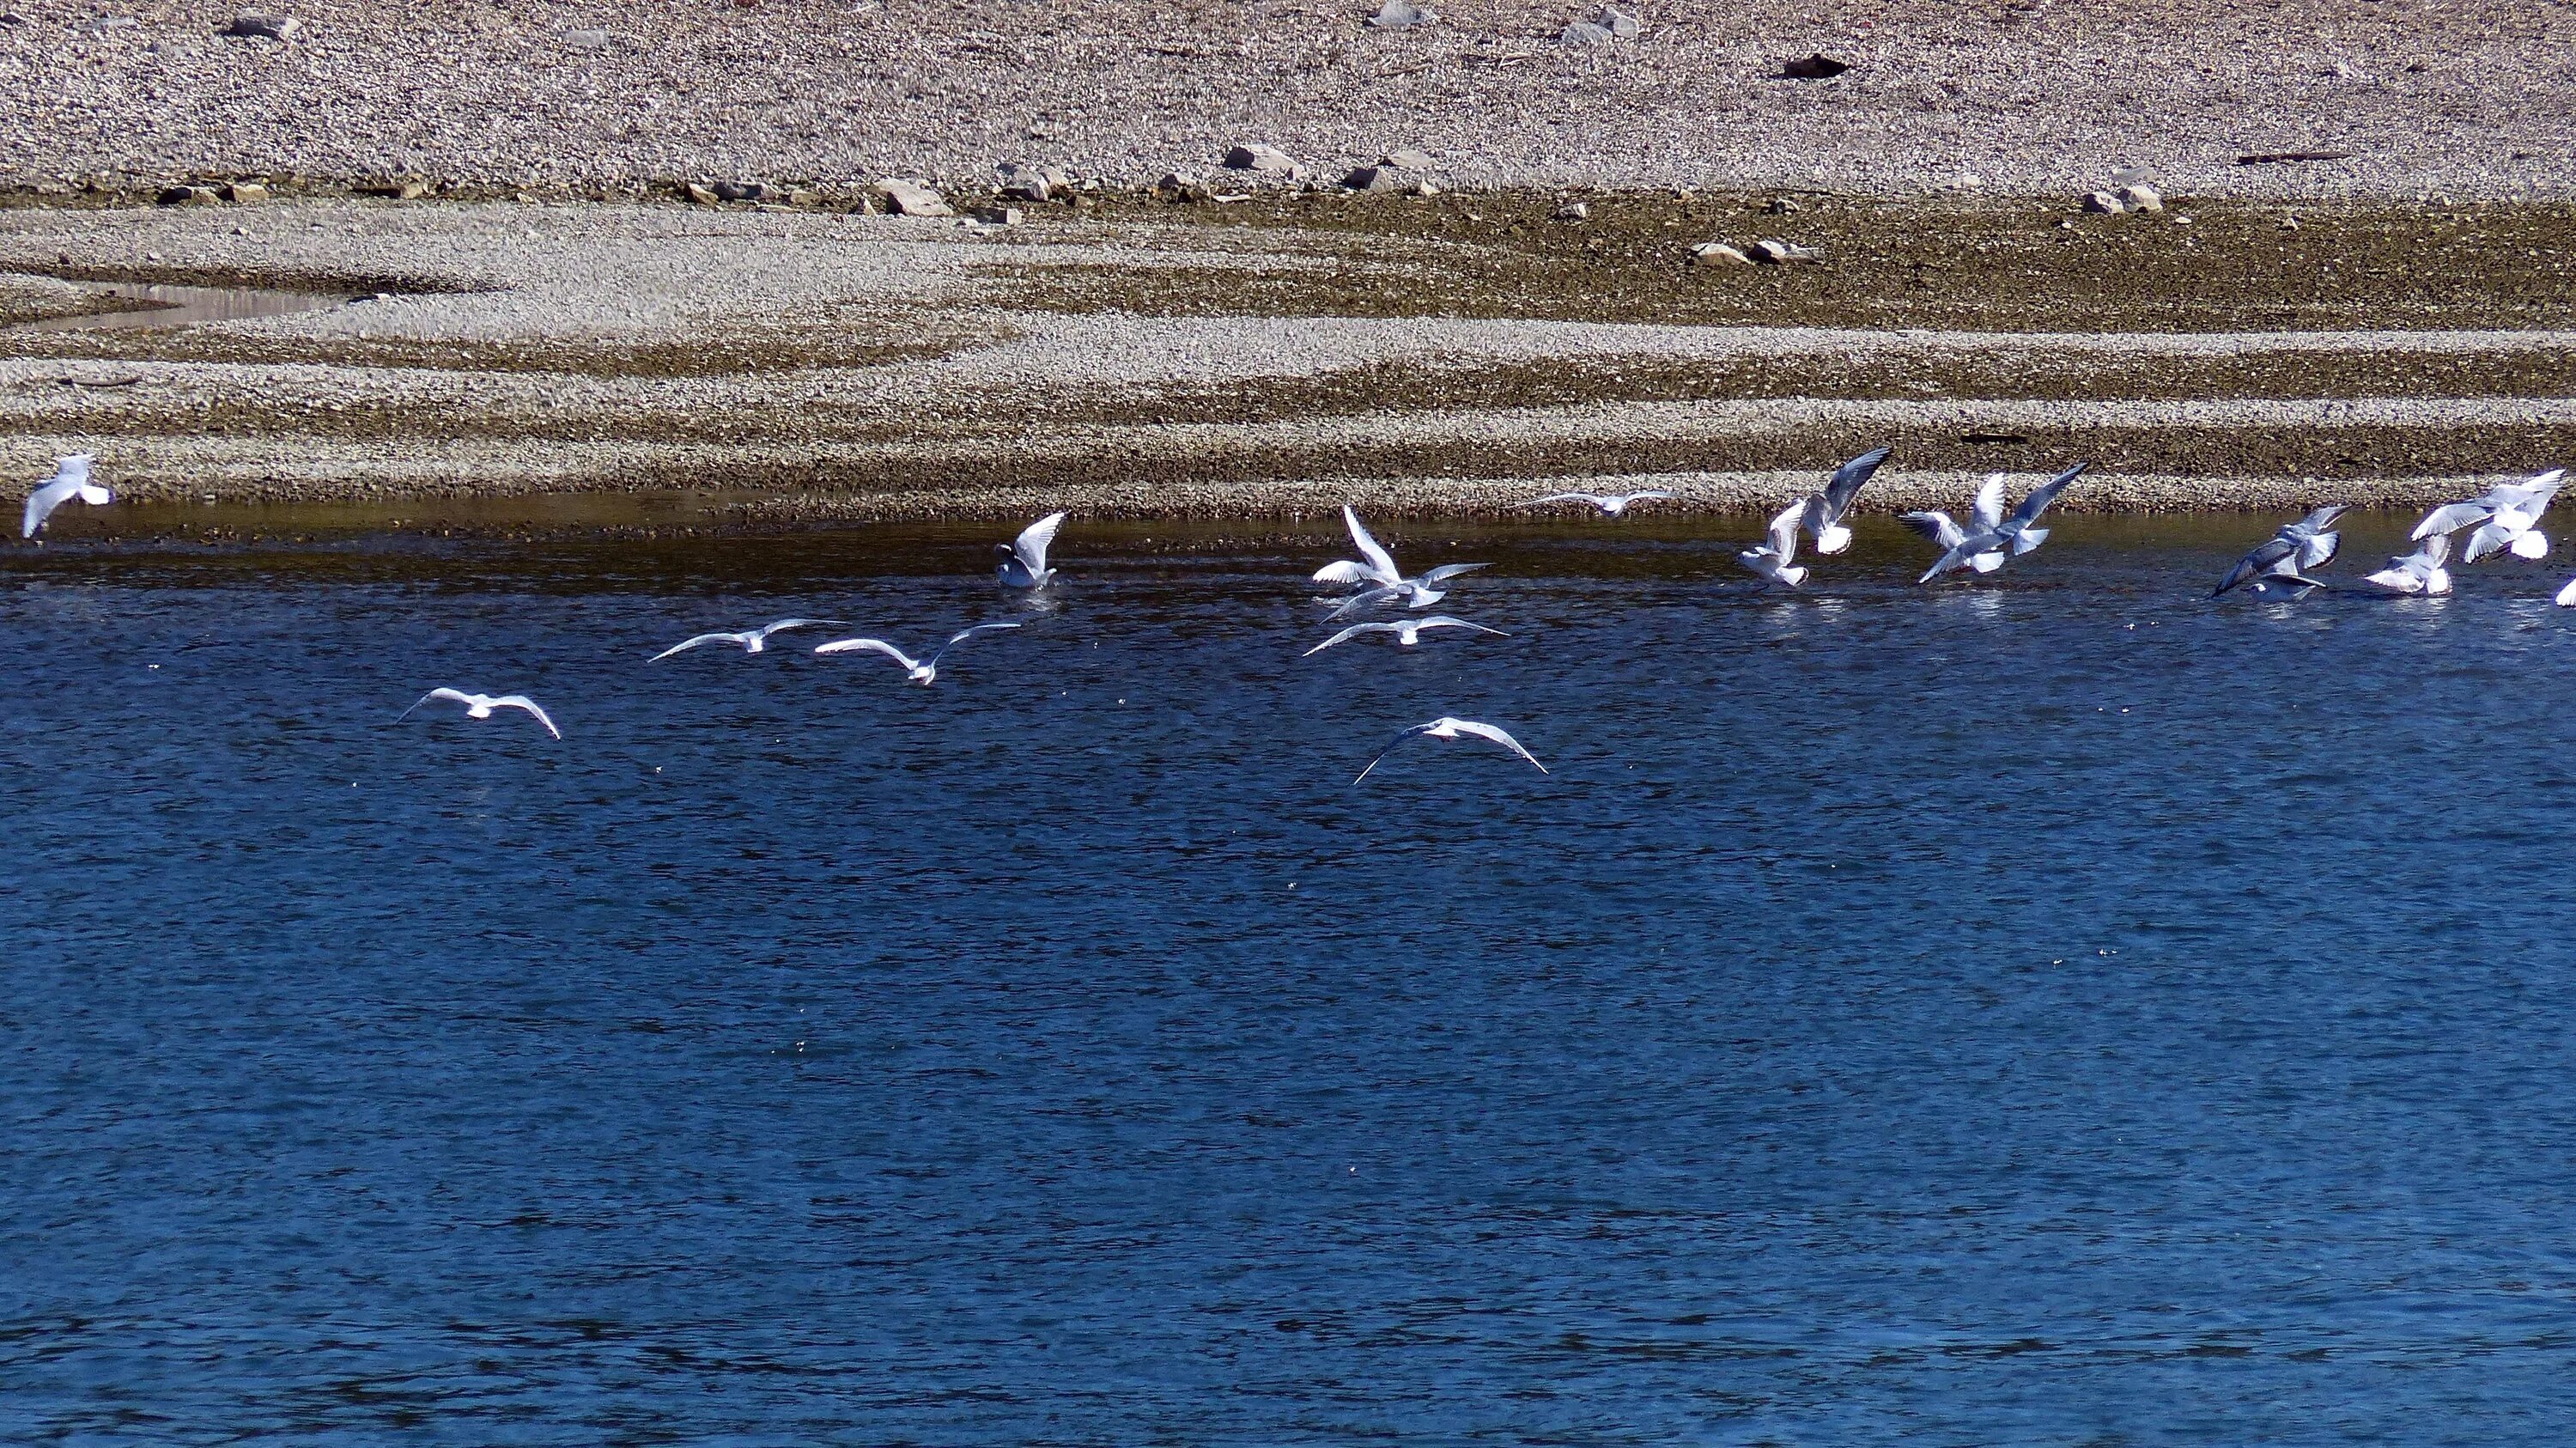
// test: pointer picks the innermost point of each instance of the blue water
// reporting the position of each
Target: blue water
(2053, 1010)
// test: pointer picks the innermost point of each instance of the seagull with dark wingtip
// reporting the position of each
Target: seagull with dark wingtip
(2282, 561)
(1985, 547)
(1823, 513)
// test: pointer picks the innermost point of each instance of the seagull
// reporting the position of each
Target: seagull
(1375, 571)
(480, 706)
(2507, 517)
(920, 672)
(2013, 536)
(2286, 555)
(1024, 562)
(752, 640)
(1771, 560)
(2567, 595)
(1445, 727)
(1612, 505)
(1823, 511)
(1985, 515)
(70, 480)
(2419, 572)
(1408, 632)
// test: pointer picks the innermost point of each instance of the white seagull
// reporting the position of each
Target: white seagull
(2288, 554)
(918, 671)
(480, 706)
(1024, 562)
(1612, 505)
(70, 480)
(1771, 560)
(2013, 536)
(1375, 572)
(1445, 727)
(2507, 517)
(2420, 572)
(1823, 516)
(2567, 595)
(752, 640)
(1985, 515)
(1408, 632)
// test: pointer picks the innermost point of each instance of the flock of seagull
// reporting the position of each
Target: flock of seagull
(2504, 519)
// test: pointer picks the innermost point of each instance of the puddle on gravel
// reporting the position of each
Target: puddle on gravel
(161, 305)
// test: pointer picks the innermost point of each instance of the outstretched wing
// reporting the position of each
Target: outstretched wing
(1986, 510)
(1935, 525)
(873, 646)
(1442, 620)
(687, 644)
(2261, 560)
(1784, 530)
(2043, 495)
(1381, 563)
(785, 624)
(457, 695)
(2452, 517)
(1031, 546)
(1359, 601)
(1345, 572)
(1354, 631)
(1447, 571)
(962, 636)
(1488, 731)
(1595, 499)
(1415, 732)
(1846, 482)
(522, 701)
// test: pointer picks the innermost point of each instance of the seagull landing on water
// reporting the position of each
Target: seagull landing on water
(1771, 560)
(480, 706)
(1612, 505)
(2417, 574)
(751, 640)
(1448, 728)
(1024, 562)
(1375, 573)
(2284, 558)
(2507, 517)
(70, 480)
(921, 672)
(1822, 513)
(1984, 545)
(1408, 632)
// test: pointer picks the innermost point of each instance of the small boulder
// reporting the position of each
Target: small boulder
(2131, 176)
(1027, 183)
(909, 198)
(1618, 22)
(999, 215)
(245, 193)
(1179, 187)
(2103, 203)
(1402, 15)
(1782, 206)
(191, 196)
(1818, 66)
(2141, 198)
(805, 196)
(740, 191)
(1570, 211)
(703, 195)
(1779, 253)
(399, 189)
(1409, 160)
(1267, 160)
(1374, 178)
(1718, 253)
(266, 27)
(1584, 32)
(589, 39)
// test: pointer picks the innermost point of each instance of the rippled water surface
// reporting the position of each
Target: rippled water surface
(2061, 1009)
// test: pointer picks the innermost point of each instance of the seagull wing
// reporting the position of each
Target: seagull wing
(685, 644)
(1846, 482)
(1935, 525)
(1784, 530)
(522, 701)
(785, 624)
(43, 501)
(962, 636)
(1442, 620)
(1381, 564)
(73, 468)
(1648, 496)
(1354, 631)
(2452, 517)
(1448, 571)
(1031, 546)
(1488, 731)
(1358, 601)
(874, 646)
(2567, 595)
(2043, 495)
(1594, 499)
(1346, 573)
(1986, 510)
(2268, 553)
(1415, 732)
(457, 695)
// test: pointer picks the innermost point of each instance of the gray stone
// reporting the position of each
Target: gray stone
(1618, 22)
(1570, 211)
(2141, 198)
(1376, 178)
(1779, 253)
(589, 39)
(1818, 66)
(703, 195)
(1718, 253)
(999, 215)
(1402, 15)
(740, 191)
(1584, 32)
(1179, 186)
(805, 196)
(2103, 203)
(245, 193)
(268, 27)
(1408, 160)
(191, 196)
(909, 198)
(1267, 160)
(2131, 176)
(1027, 183)
(401, 189)
(1782, 206)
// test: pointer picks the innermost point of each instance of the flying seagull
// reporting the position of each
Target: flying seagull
(1408, 632)
(1823, 511)
(1024, 562)
(752, 640)
(1445, 727)
(2506, 516)
(1771, 560)
(70, 480)
(2567, 595)
(1985, 515)
(2288, 554)
(2014, 536)
(1612, 505)
(920, 672)
(1375, 573)
(480, 706)
(2419, 572)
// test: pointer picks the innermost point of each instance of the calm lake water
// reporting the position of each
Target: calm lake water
(2058, 1009)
